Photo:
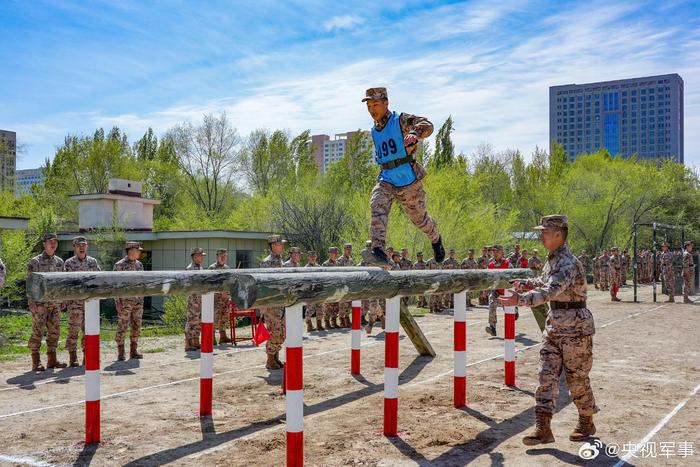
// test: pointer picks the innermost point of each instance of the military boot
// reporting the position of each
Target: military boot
(271, 363)
(491, 330)
(334, 322)
(223, 338)
(133, 351)
(327, 322)
(120, 353)
(382, 321)
(671, 299)
(687, 300)
(543, 431)
(309, 326)
(53, 361)
(368, 328)
(584, 428)
(73, 358)
(319, 325)
(36, 362)
(277, 360)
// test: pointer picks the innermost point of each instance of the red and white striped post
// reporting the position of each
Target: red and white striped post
(460, 349)
(206, 356)
(355, 336)
(92, 371)
(509, 343)
(391, 367)
(294, 321)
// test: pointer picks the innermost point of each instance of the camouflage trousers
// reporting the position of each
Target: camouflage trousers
(274, 321)
(412, 199)
(344, 309)
(687, 285)
(312, 311)
(623, 278)
(448, 300)
(193, 326)
(422, 302)
(376, 310)
(129, 317)
(330, 310)
(493, 305)
(221, 311)
(484, 297)
(76, 324)
(47, 317)
(604, 278)
(669, 279)
(574, 356)
(435, 303)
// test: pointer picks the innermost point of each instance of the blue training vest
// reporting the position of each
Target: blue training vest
(388, 146)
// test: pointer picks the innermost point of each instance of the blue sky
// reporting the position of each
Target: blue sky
(70, 67)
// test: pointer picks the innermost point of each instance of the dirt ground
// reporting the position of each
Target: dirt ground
(646, 363)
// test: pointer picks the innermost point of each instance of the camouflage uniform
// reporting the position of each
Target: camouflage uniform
(604, 271)
(46, 315)
(274, 315)
(535, 264)
(470, 263)
(624, 265)
(668, 274)
(193, 326)
(2, 274)
(330, 310)
(131, 312)
(448, 298)
(411, 197)
(434, 299)
(568, 335)
(614, 273)
(222, 304)
(483, 263)
(345, 308)
(420, 265)
(596, 272)
(688, 274)
(76, 308)
(314, 310)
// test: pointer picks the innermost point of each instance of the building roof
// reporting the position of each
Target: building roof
(113, 196)
(180, 234)
(14, 222)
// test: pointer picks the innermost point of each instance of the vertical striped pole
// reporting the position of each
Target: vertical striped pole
(294, 320)
(355, 336)
(509, 343)
(92, 371)
(206, 356)
(460, 349)
(391, 367)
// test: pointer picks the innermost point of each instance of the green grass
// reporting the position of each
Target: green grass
(156, 350)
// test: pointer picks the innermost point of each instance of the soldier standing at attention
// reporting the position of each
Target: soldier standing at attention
(498, 262)
(449, 263)
(330, 310)
(395, 139)
(273, 316)
(515, 257)
(667, 271)
(688, 271)
(129, 310)
(363, 263)
(604, 269)
(405, 264)
(45, 315)
(596, 272)
(222, 300)
(420, 265)
(434, 299)
(625, 265)
(294, 258)
(535, 263)
(2, 274)
(615, 272)
(80, 261)
(483, 262)
(345, 308)
(469, 263)
(568, 336)
(193, 326)
(315, 310)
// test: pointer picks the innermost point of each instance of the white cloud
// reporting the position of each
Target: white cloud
(344, 22)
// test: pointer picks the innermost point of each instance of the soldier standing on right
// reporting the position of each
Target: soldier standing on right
(596, 272)
(615, 272)
(568, 336)
(45, 315)
(80, 261)
(498, 262)
(667, 271)
(193, 326)
(330, 310)
(274, 315)
(603, 269)
(130, 310)
(688, 271)
(420, 265)
(222, 300)
(625, 264)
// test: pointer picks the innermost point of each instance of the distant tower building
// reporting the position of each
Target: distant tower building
(26, 178)
(8, 160)
(642, 116)
(328, 151)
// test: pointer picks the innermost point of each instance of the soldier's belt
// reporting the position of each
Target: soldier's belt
(567, 305)
(395, 163)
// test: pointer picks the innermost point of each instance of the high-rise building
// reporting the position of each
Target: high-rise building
(8, 159)
(637, 116)
(25, 178)
(327, 150)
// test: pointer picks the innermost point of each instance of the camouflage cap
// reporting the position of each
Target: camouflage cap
(295, 249)
(554, 221)
(390, 248)
(129, 245)
(275, 239)
(368, 243)
(451, 250)
(497, 247)
(471, 250)
(78, 240)
(198, 251)
(665, 244)
(404, 249)
(49, 236)
(347, 245)
(420, 253)
(395, 254)
(687, 242)
(373, 94)
(332, 250)
(535, 250)
(221, 251)
(311, 253)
